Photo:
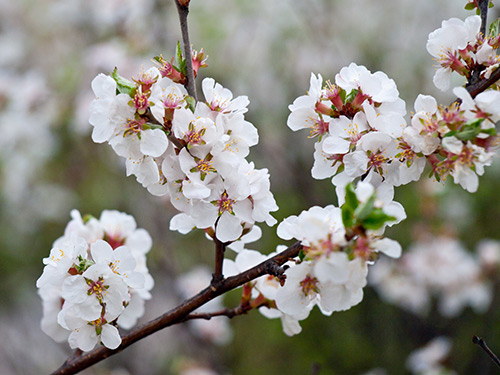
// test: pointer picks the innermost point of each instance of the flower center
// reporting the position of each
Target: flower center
(309, 285)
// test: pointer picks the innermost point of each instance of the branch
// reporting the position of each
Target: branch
(230, 313)
(483, 10)
(478, 87)
(76, 363)
(220, 248)
(183, 10)
(479, 341)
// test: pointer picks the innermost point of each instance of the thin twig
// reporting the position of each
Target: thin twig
(479, 341)
(75, 363)
(483, 10)
(229, 313)
(183, 11)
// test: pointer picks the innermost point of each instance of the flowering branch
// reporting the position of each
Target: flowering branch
(78, 362)
(478, 87)
(183, 10)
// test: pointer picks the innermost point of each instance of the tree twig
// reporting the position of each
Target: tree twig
(183, 10)
(176, 315)
(483, 10)
(479, 341)
(229, 313)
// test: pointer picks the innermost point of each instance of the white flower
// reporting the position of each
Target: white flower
(132, 137)
(102, 108)
(119, 260)
(303, 114)
(86, 334)
(378, 86)
(314, 226)
(445, 42)
(97, 286)
(221, 99)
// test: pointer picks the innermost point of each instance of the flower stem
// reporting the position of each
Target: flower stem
(183, 11)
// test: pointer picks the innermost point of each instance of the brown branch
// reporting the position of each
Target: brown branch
(479, 341)
(483, 10)
(183, 10)
(230, 313)
(480, 86)
(220, 248)
(176, 315)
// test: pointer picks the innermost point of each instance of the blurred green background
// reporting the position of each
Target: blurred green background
(50, 52)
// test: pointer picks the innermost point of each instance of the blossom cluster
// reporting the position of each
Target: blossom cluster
(194, 153)
(441, 269)
(359, 122)
(95, 279)
(459, 46)
(457, 140)
(362, 132)
(331, 271)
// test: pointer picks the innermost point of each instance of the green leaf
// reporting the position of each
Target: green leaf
(191, 103)
(376, 219)
(347, 216)
(364, 210)
(123, 85)
(350, 197)
(490, 131)
(302, 255)
(180, 61)
(494, 28)
(470, 130)
(470, 6)
(450, 134)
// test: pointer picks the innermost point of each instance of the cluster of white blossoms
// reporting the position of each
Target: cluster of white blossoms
(439, 268)
(457, 140)
(95, 279)
(359, 122)
(338, 245)
(362, 132)
(459, 46)
(192, 152)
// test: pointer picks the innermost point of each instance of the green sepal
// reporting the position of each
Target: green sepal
(83, 264)
(349, 98)
(123, 85)
(376, 219)
(342, 95)
(86, 218)
(191, 103)
(302, 255)
(494, 28)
